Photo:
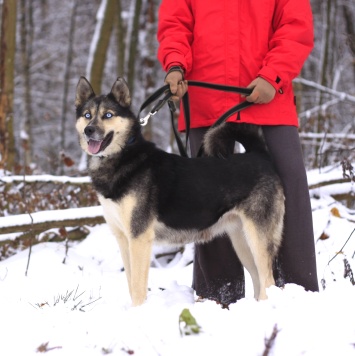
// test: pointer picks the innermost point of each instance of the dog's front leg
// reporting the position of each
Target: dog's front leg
(123, 243)
(140, 249)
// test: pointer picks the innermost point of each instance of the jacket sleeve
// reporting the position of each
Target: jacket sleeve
(175, 34)
(291, 42)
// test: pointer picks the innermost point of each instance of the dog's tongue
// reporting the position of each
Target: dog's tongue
(94, 146)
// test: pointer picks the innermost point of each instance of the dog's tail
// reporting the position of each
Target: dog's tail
(218, 140)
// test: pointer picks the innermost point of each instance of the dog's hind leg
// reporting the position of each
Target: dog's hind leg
(261, 256)
(245, 256)
(252, 251)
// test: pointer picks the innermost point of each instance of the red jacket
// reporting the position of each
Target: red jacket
(232, 42)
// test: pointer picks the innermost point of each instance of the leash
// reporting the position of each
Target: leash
(165, 89)
(186, 107)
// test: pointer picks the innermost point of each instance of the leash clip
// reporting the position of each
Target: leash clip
(144, 120)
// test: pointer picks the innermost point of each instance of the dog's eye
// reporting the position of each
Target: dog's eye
(87, 115)
(108, 115)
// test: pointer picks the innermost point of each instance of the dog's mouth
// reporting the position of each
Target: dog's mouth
(97, 146)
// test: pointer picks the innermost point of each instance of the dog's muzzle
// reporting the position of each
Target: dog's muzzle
(97, 142)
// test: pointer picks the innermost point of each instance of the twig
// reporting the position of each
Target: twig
(341, 250)
(269, 343)
(75, 296)
(85, 305)
(43, 348)
(31, 232)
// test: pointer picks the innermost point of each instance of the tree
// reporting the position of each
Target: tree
(136, 7)
(100, 42)
(26, 40)
(7, 55)
(66, 79)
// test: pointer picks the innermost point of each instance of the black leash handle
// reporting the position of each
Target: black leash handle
(221, 87)
(186, 107)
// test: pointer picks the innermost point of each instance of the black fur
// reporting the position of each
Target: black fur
(149, 194)
(186, 193)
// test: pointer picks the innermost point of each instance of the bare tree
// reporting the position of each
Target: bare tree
(120, 35)
(132, 40)
(349, 17)
(100, 42)
(7, 55)
(26, 40)
(66, 79)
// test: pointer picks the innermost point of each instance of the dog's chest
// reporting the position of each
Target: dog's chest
(118, 215)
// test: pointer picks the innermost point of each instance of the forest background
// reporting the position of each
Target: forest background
(47, 45)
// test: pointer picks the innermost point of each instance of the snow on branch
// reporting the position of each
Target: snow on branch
(339, 96)
(46, 220)
(327, 136)
(45, 178)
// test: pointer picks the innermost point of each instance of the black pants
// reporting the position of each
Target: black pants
(218, 273)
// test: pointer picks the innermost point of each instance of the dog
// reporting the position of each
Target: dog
(149, 195)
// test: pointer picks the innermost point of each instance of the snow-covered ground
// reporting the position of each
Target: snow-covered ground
(82, 306)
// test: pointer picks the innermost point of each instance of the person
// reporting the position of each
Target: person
(261, 45)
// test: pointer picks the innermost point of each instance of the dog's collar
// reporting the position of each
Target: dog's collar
(131, 140)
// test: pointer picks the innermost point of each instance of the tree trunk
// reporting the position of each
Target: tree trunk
(133, 41)
(7, 55)
(349, 16)
(100, 42)
(120, 33)
(26, 40)
(324, 65)
(66, 80)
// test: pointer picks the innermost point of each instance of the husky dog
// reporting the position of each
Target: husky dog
(149, 195)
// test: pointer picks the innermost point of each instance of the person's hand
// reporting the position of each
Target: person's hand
(262, 93)
(178, 86)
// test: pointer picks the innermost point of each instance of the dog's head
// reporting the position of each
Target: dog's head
(105, 123)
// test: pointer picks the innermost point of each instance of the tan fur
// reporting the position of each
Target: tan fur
(254, 255)
(118, 125)
(135, 252)
(247, 241)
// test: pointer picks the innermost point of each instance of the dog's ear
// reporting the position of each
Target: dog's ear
(84, 92)
(121, 93)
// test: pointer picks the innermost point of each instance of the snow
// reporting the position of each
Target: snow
(82, 306)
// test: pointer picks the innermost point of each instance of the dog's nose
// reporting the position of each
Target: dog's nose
(89, 130)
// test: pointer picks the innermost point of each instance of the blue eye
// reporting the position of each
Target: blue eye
(108, 115)
(87, 115)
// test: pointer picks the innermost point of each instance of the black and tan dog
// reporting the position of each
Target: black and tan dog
(149, 195)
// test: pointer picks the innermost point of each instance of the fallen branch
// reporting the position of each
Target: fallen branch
(46, 220)
(45, 178)
(328, 182)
